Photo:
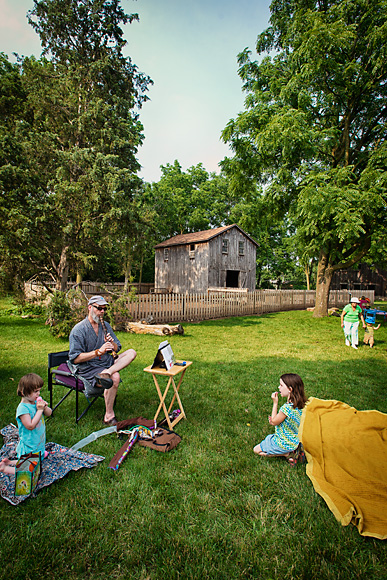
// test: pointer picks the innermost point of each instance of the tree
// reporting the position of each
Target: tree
(183, 202)
(313, 132)
(188, 201)
(84, 131)
(16, 181)
(277, 257)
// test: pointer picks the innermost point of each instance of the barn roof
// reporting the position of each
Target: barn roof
(200, 237)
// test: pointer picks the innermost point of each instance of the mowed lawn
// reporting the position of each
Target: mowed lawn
(210, 509)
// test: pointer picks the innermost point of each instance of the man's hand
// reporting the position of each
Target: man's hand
(109, 338)
(108, 346)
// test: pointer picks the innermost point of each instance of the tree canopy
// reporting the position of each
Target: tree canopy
(313, 132)
(78, 131)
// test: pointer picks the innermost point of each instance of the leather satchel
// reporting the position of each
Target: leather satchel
(164, 441)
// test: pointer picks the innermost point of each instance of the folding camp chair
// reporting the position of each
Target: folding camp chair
(60, 374)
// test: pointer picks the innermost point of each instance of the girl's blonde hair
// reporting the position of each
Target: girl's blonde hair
(297, 394)
(28, 384)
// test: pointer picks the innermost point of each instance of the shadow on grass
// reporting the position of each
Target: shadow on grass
(227, 395)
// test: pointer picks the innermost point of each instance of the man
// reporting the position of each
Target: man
(91, 350)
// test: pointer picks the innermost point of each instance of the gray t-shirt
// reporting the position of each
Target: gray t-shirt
(83, 339)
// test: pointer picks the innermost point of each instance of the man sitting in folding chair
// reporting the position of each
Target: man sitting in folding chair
(93, 349)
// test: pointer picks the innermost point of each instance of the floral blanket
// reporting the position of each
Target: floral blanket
(59, 462)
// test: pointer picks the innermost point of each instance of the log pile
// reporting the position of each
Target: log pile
(158, 329)
(331, 311)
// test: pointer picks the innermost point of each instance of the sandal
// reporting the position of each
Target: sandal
(297, 456)
(103, 381)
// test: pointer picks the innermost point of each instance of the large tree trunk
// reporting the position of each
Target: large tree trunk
(325, 270)
(62, 271)
(323, 283)
(127, 268)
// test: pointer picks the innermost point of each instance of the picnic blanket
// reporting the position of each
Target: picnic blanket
(59, 462)
(346, 451)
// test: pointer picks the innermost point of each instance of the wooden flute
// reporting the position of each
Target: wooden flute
(105, 332)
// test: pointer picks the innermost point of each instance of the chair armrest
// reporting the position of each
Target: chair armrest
(63, 373)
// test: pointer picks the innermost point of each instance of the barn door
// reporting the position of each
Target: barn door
(232, 278)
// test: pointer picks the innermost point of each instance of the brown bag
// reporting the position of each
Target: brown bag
(136, 421)
(164, 441)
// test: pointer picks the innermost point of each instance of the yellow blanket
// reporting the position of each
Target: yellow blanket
(346, 451)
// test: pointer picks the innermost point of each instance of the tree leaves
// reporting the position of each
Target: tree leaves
(78, 131)
(315, 123)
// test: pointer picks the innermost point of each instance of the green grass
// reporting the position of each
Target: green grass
(210, 509)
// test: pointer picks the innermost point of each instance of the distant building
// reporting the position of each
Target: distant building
(194, 263)
(361, 277)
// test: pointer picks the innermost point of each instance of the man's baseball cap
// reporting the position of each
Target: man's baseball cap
(100, 300)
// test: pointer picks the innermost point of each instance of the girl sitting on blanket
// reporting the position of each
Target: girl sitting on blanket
(30, 419)
(286, 420)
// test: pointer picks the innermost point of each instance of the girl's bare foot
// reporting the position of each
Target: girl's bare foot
(7, 466)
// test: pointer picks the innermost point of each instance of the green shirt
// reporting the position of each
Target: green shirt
(286, 433)
(350, 314)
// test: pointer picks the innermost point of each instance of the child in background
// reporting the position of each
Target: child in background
(286, 420)
(364, 302)
(370, 319)
(30, 420)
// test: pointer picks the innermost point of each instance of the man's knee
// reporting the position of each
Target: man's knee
(130, 355)
(116, 380)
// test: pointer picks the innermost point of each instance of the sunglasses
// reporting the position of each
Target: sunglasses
(100, 308)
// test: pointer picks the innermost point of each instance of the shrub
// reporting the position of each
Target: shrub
(64, 311)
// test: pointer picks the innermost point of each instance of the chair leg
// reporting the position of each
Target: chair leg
(76, 405)
(61, 401)
(87, 408)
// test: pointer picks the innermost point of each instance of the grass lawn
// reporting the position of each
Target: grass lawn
(210, 509)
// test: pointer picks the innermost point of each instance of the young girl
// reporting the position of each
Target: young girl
(30, 420)
(286, 420)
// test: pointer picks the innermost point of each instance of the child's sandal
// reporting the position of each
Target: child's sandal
(292, 458)
(301, 454)
(297, 456)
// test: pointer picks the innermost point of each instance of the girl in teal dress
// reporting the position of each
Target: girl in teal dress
(30, 416)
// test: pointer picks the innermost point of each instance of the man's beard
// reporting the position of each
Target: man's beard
(95, 317)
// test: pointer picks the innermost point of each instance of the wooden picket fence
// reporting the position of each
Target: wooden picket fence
(174, 308)
(164, 307)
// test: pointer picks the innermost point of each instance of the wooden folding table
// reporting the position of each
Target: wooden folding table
(171, 374)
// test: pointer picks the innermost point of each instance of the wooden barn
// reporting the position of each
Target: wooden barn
(223, 257)
(361, 277)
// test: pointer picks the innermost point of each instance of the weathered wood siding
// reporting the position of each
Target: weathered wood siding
(362, 277)
(185, 271)
(194, 271)
(220, 262)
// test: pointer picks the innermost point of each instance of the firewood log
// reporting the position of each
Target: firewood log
(158, 329)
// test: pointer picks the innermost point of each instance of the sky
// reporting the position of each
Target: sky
(189, 48)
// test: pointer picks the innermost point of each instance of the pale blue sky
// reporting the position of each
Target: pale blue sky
(189, 48)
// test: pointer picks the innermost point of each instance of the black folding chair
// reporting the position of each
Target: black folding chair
(60, 374)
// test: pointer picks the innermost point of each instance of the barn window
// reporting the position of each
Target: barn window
(166, 254)
(225, 246)
(241, 247)
(192, 251)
